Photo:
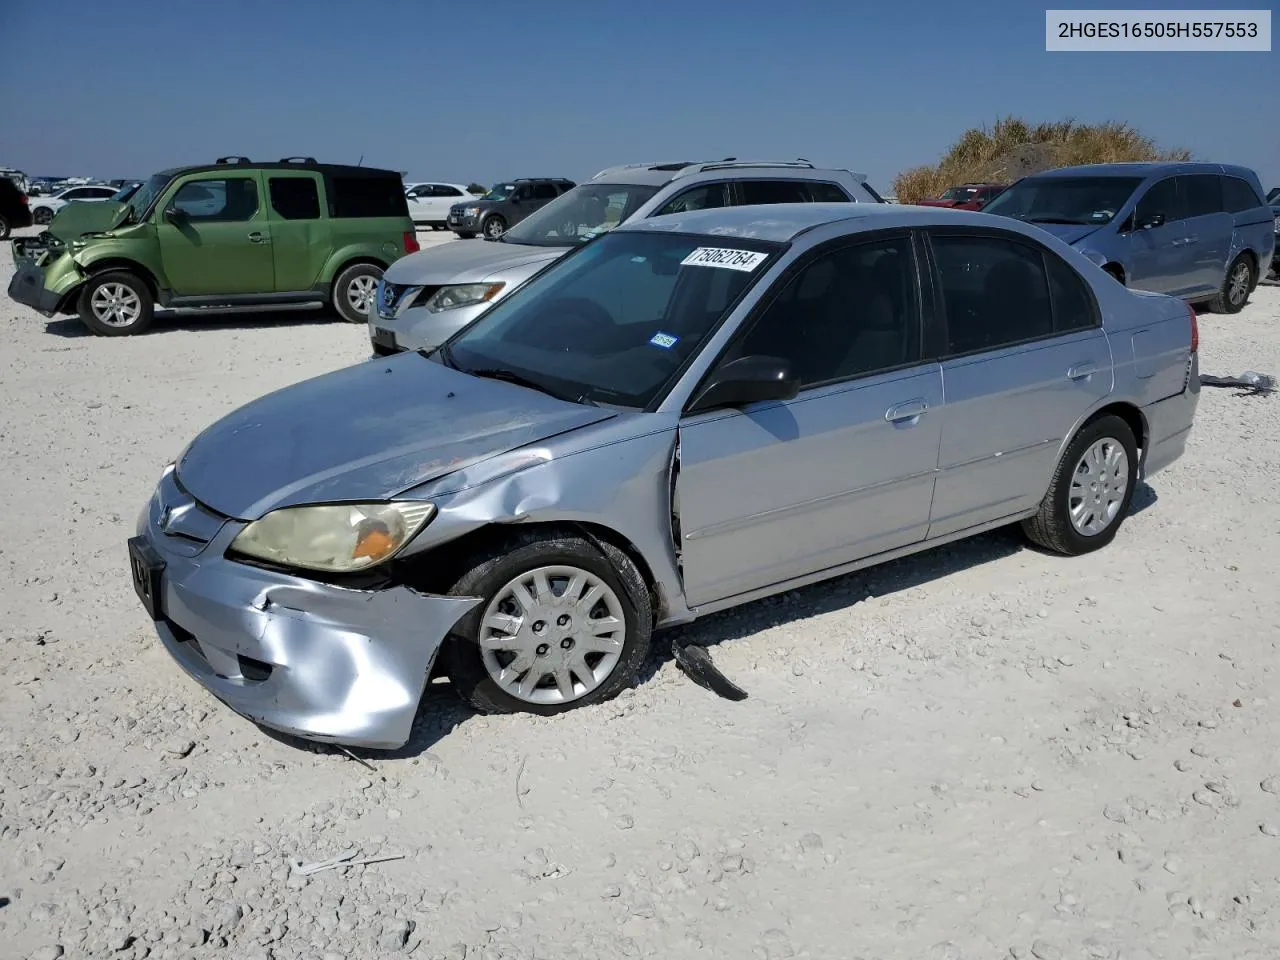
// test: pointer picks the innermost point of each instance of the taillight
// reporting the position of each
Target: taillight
(1195, 329)
(26, 201)
(411, 242)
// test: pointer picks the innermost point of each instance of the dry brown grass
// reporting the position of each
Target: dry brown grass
(1013, 148)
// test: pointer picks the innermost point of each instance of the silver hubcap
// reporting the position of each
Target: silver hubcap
(1239, 283)
(115, 305)
(552, 635)
(1098, 486)
(360, 293)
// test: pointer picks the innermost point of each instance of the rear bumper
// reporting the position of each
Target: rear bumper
(1169, 424)
(27, 287)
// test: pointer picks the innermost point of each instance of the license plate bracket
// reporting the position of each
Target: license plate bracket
(146, 569)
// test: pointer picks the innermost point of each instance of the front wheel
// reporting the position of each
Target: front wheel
(42, 215)
(1090, 493)
(1235, 287)
(116, 304)
(565, 622)
(494, 227)
(354, 290)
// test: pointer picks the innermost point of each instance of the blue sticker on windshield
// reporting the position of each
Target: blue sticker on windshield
(664, 340)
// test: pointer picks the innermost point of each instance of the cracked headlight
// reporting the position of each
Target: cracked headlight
(462, 295)
(333, 538)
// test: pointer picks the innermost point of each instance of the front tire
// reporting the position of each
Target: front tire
(42, 215)
(1091, 490)
(494, 227)
(464, 235)
(116, 304)
(1236, 286)
(565, 622)
(354, 291)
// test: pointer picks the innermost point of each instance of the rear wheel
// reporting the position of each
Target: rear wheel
(1090, 493)
(354, 290)
(116, 304)
(42, 215)
(1235, 287)
(564, 623)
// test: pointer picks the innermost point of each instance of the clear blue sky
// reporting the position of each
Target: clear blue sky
(488, 90)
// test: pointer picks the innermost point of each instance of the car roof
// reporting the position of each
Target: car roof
(783, 222)
(1144, 169)
(342, 169)
(660, 173)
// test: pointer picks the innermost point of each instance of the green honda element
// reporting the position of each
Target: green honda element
(231, 234)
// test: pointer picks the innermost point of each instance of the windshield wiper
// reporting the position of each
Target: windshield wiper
(1074, 223)
(510, 376)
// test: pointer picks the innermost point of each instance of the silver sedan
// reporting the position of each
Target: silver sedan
(683, 415)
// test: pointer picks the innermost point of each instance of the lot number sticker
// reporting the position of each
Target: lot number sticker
(744, 260)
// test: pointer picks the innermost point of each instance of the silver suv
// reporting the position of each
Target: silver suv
(425, 298)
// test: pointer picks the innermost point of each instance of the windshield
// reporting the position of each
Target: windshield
(1090, 201)
(124, 193)
(614, 321)
(145, 194)
(500, 191)
(1274, 195)
(582, 213)
(959, 194)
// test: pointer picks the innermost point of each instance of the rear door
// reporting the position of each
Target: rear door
(220, 241)
(301, 234)
(1024, 359)
(1207, 229)
(778, 490)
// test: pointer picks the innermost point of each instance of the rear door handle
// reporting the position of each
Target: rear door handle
(1192, 239)
(910, 410)
(1082, 371)
(257, 237)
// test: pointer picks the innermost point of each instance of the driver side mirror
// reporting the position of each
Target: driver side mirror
(750, 379)
(175, 215)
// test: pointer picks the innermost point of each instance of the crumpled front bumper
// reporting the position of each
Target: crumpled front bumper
(27, 286)
(319, 661)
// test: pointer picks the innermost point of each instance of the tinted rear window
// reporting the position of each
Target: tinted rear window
(366, 197)
(1238, 195)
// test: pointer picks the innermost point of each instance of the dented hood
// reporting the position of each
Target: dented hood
(80, 217)
(367, 432)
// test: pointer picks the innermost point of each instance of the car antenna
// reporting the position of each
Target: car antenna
(360, 162)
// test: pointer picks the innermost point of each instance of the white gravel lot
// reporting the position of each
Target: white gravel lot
(980, 752)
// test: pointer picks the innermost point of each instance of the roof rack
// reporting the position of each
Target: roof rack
(310, 161)
(732, 163)
(221, 161)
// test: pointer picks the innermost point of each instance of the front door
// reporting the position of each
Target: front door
(218, 240)
(1024, 361)
(1156, 253)
(844, 470)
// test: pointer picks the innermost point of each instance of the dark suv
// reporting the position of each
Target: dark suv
(14, 208)
(504, 206)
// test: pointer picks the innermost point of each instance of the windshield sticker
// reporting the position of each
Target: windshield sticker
(639, 259)
(664, 340)
(744, 260)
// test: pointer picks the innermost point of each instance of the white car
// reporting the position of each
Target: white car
(429, 203)
(42, 210)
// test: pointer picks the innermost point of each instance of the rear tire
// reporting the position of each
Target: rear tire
(42, 215)
(1236, 286)
(1094, 479)
(116, 304)
(475, 670)
(354, 290)
(4, 229)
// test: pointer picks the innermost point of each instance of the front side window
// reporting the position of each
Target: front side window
(1160, 204)
(217, 201)
(995, 292)
(294, 198)
(582, 213)
(705, 197)
(444, 190)
(614, 321)
(1086, 201)
(849, 313)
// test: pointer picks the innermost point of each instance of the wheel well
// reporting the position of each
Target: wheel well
(372, 261)
(1130, 415)
(438, 569)
(129, 266)
(1115, 270)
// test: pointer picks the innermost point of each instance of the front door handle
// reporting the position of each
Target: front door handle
(257, 237)
(911, 410)
(1192, 239)
(1082, 371)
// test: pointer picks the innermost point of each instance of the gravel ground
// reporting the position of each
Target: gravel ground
(979, 752)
